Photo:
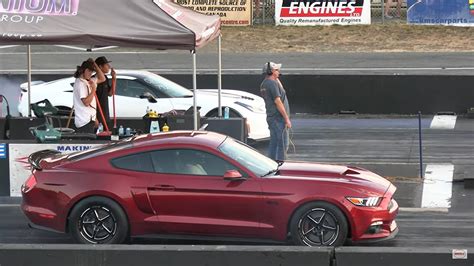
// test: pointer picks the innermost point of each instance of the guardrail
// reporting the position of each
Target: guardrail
(170, 255)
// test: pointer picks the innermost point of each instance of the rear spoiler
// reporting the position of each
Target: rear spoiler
(24, 86)
(35, 158)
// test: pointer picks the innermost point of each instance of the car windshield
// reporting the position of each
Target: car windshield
(256, 162)
(166, 86)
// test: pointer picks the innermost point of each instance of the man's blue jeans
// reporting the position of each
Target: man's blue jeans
(278, 138)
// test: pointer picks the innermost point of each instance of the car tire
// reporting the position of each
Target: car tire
(215, 113)
(318, 224)
(98, 220)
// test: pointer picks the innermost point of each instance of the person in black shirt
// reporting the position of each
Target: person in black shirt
(105, 89)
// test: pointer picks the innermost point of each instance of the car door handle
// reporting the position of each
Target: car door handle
(163, 187)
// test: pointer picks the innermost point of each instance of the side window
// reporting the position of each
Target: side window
(140, 162)
(131, 88)
(189, 162)
(120, 87)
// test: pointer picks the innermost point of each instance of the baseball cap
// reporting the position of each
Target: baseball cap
(273, 66)
(102, 60)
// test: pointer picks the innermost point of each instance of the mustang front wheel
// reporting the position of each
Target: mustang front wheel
(319, 224)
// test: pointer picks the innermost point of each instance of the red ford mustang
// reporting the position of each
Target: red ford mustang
(204, 184)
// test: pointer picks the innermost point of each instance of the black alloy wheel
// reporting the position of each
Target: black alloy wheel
(98, 220)
(319, 224)
(97, 224)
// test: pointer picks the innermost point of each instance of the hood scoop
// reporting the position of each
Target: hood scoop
(312, 169)
(351, 172)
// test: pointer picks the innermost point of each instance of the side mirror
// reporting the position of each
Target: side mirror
(233, 175)
(148, 96)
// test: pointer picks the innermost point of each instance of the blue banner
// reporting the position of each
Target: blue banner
(3, 151)
(443, 12)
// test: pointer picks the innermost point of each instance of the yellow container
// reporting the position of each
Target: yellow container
(166, 128)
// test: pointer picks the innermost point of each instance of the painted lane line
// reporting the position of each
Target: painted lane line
(252, 70)
(443, 122)
(437, 186)
(416, 210)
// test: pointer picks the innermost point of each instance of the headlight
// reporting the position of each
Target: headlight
(365, 202)
(250, 107)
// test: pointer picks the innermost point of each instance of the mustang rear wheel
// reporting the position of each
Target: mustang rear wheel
(319, 224)
(98, 220)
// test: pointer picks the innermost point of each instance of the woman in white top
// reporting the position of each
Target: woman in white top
(84, 96)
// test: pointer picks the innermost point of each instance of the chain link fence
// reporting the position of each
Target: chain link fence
(264, 11)
(391, 11)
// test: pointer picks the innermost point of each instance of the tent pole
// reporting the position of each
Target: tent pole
(219, 75)
(28, 52)
(195, 91)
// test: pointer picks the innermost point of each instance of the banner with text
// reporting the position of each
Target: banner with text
(322, 12)
(232, 12)
(20, 169)
(444, 12)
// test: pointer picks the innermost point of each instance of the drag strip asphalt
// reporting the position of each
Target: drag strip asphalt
(52, 59)
(387, 146)
(425, 229)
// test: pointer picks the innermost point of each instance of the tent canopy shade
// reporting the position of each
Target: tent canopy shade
(155, 24)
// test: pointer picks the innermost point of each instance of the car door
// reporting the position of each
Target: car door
(190, 196)
(128, 102)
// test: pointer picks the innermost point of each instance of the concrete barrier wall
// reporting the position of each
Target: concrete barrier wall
(329, 94)
(141, 255)
(367, 94)
(391, 256)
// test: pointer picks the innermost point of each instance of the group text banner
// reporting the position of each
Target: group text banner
(321, 12)
(232, 12)
(443, 12)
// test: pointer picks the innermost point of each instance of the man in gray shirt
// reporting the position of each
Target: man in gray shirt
(278, 111)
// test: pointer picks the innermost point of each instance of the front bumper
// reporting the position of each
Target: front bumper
(392, 235)
(377, 224)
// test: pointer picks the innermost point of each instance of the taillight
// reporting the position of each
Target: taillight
(29, 184)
